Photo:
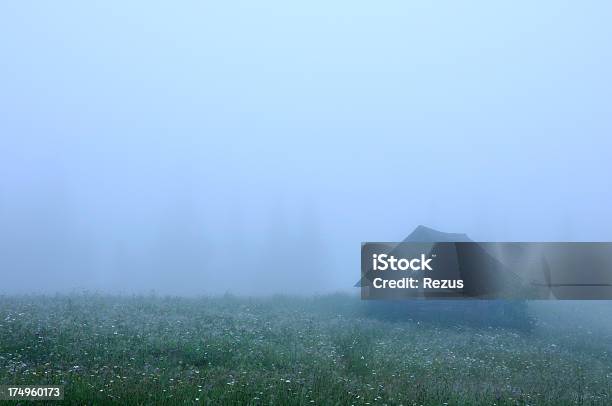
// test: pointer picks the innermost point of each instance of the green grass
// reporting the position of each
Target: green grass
(282, 350)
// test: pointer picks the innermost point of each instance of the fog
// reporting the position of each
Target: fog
(250, 147)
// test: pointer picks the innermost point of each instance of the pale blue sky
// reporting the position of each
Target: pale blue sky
(142, 144)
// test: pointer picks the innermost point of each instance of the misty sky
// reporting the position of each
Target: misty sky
(206, 147)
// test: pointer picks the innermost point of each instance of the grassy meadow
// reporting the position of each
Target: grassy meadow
(297, 351)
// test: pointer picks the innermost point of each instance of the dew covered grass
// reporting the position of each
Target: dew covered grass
(282, 350)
